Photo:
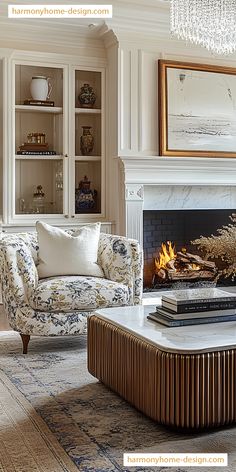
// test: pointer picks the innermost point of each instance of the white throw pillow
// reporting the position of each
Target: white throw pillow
(61, 253)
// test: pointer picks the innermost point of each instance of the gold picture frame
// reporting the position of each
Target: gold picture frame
(196, 110)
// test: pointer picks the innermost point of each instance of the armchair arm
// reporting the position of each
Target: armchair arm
(19, 275)
(122, 261)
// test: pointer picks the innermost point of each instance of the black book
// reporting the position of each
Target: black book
(206, 306)
(195, 321)
(190, 316)
(36, 153)
(187, 301)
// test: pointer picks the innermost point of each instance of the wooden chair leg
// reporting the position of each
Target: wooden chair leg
(25, 341)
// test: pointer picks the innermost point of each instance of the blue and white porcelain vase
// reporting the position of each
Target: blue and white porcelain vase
(87, 96)
(85, 197)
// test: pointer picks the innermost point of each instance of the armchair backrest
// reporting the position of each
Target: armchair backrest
(15, 239)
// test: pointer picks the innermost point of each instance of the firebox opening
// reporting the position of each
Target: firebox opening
(170, 260)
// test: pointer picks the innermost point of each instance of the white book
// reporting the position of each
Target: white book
(198, 295)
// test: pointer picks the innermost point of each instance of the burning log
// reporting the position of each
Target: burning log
(171, 264)
(162, 274)
(186, 256)
(182, 265)
(190, 275)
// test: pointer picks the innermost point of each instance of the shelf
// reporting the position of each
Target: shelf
(87, 158)
(38, 157)
(38, 109)
(88, 111)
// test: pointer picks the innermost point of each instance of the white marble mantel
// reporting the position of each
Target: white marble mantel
(153, 183)
(179, 170)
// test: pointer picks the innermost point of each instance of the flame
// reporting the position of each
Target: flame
(195, 266)
(167, 253)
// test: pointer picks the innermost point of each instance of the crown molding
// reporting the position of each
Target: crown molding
(150, 18)
(12, 35)
(108, 36)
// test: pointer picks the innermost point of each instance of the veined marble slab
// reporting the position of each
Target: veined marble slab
(182, 340)
(181, 197)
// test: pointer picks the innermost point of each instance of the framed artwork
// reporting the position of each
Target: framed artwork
(197, 110)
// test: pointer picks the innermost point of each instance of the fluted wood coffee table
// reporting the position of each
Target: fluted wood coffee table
(184, 377)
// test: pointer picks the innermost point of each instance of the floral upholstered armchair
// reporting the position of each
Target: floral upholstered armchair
(60, 305)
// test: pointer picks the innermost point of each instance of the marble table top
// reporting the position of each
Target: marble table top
(183, 340)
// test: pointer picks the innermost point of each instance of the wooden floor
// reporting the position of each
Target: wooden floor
(4, 325)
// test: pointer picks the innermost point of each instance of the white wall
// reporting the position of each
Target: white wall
(138, 90)
(134, 63)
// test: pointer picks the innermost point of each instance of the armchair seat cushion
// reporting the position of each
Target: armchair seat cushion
(73, 293)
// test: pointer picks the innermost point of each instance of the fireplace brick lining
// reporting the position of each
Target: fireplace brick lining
(178, 226)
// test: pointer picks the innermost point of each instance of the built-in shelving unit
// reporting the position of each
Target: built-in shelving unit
(69, 183)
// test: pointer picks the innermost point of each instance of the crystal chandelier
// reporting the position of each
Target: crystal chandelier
(210, 23)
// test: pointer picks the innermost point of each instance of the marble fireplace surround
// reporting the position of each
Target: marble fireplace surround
(175, 183)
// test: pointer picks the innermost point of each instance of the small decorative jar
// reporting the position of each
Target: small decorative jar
(40, 88)
(87, 96)
(38, 200)
(85, 197)
(86, 141)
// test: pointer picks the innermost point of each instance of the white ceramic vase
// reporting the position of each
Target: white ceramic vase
(40, 88)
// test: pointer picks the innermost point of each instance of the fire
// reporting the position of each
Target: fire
(167, 253)
(195, 267)
(172, 266)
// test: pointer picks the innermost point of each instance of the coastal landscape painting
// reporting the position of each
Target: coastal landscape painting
(197, 110)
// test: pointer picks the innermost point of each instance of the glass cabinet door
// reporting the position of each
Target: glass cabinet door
(39, 140)
(88, 142)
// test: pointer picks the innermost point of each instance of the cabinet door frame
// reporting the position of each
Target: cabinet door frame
(86, 216)
(29, 219)
(6, 124)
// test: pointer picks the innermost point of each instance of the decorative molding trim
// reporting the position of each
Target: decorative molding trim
(108, 36)
(134, 192)
(134, 199)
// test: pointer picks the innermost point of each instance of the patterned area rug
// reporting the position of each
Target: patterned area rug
(92, 424)
(26, 443)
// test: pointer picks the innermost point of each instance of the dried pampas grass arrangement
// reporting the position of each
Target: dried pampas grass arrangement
(221, 246)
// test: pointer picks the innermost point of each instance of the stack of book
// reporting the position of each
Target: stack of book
(41, 103)
(196, 306)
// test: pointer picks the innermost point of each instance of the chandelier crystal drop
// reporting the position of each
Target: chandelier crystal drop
(210, 23)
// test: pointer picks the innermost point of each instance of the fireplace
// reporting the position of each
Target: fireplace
(179, 227)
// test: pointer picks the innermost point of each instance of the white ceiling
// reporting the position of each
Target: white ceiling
(130, 15)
